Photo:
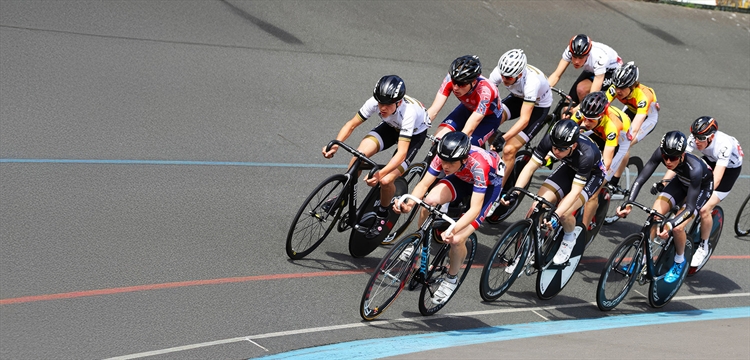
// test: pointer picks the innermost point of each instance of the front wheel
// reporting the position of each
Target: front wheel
(438, 272)
(389, 278)
(713, 238)
(742, 221)
(316, 217)
(620, 272)
(506, 261)
(552, 278)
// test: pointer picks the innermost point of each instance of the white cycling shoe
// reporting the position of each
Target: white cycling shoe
(699, 257)
(563, 254)
(444, 292)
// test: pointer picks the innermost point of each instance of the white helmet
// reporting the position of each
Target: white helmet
(512, 63)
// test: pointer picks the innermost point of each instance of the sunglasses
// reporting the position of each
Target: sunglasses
(592, 118)
(561, 149)
(508, 77)
(670, 157)
(701, 137)
(461, 84)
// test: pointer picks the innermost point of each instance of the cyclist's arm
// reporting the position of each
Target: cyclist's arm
(648, 168)
(472, 123)
(718, 174)
(522, 121)
(596, 84)
(567, 202)
(555, 76)
(477, 200)
(607, 155)
(437, 105)
(344, 134)
(635, 125)
(528, 171)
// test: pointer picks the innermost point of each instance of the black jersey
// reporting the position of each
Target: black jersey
(585, 159)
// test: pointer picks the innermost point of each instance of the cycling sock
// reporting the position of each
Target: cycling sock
(569, 237)
(452, 278)
(679, 258)
(704, 244)
(615, 180)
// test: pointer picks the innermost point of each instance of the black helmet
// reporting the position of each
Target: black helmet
(564, 133)
(594, 104)
(389, 90)
(454, 146)
(673, 143)
(465, 69)
(579, 45)
(704, 126)
(625, 76)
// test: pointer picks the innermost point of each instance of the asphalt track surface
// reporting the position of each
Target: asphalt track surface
(153, 153)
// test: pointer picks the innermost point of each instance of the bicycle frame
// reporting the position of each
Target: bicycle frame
(350, 189)
(646, 243)
(536, 241)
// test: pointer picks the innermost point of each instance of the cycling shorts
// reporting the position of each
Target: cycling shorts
(386, 136)
(461, 189)
(561, 181)
(675, 193)
(536, 121)
(456, 121)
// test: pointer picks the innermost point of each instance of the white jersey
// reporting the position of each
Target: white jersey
(411, 117)
(532, 86)
(601, 58)
(724, 150)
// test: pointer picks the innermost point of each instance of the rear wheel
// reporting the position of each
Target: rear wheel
(438, 272)
(635, 166)
(389, 278)
(620, 272)
(660, 292)
(506, 261)
(553, 278)
(316, 217)
(713, 238)
(742, 221)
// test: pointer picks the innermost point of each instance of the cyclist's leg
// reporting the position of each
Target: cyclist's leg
(449, 189)
(387, 187)
(581, 86)
(455, 121)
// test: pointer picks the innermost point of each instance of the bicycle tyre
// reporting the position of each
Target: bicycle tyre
(713, 238)
(359, 244)
(615, 282)
(660, 293)
(311, 225)
(438, 270)
(495, 281)
(742, 221)
(412, 176)
(601, 213)
(502, 212)
(389, 278)
(553, 278)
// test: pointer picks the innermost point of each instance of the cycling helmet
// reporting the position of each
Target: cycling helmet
(389, 90)
(673, 143)
(625, 76)
(564, 133)
(454, 146)
(704, 126)
(594, 104)
(512, 63)
(465, 69)
(579, 45)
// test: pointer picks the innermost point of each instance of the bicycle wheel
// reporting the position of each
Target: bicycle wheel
(412, 176)
(620, 272)
(360, 244)
(742, 221)
(439, 270)
(389, 278)
(601, 213)
(552, 278)
(506, 261)
(713, 238)
(313, 223)
(502, 212)
(660, 292)
(635, 166)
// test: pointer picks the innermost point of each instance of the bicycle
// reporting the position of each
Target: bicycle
(527, 247)
(618, 192)
(742, 221)
(626, 265)
(523, 156)
(694, 235)
(327, 206)
(400, 264)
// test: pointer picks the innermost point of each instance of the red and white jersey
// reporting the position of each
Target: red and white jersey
(410, 117)
(480, 169)
(601, 58)
(532, 86)
(483, 98)
(724, 150)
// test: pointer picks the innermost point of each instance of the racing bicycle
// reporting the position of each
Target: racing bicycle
(742, 221)
(528, 247)
(412, 258)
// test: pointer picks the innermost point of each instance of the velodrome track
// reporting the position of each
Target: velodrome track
(152, 154)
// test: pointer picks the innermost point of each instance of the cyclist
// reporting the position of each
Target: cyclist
(470, 171)
(529, 100)
(693, 187)
(640, 106)
(598, 61)
(723, 154)
(404, 123)
(479, 112)
(571, 184)
(608, 126)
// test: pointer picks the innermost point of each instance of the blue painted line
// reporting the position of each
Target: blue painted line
(168, 162)
(379, 348)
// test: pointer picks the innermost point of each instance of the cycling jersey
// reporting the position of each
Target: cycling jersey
(612, 123)
(532, 86)
(639, 101)
(601, 58)
(692, 173)
(586, 159)
(480, 169)
(410, 117)
(483, 98)
(724, 150)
